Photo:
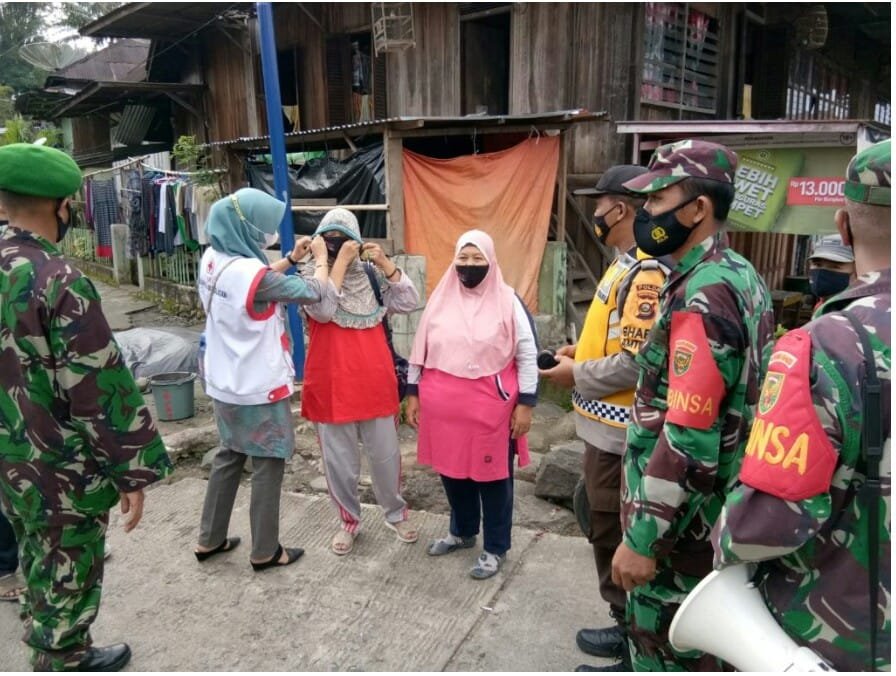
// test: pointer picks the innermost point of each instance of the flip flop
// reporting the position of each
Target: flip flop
(343, 542)
(226, 546)
(292, 555)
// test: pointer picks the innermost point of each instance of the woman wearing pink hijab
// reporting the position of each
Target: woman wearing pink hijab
(471, 388)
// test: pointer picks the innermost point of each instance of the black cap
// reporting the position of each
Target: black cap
(611, 181)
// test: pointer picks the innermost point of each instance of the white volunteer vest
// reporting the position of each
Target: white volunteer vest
(247, 359)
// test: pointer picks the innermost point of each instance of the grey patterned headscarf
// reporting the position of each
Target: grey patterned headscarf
(357, 308)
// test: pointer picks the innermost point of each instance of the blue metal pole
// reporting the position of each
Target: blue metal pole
(278, 159)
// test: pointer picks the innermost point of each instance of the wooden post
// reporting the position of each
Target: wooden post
(392, 150)
(561, 189)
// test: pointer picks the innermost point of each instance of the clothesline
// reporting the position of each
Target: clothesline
(182, 173)
(118, 168)
(139, 160)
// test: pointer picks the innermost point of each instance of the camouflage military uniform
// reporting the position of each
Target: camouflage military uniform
(676, 476)
(74, 431)
(815, 542)
(676, 472)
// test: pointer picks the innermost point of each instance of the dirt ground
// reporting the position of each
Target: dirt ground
(421, 487)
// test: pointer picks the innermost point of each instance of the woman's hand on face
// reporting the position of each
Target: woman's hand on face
(412, 410)
(349, 251)
(520, 421)
(319, 249)
(303, 243)
(371, 251)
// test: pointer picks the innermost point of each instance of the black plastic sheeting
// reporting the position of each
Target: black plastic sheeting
(360, 179)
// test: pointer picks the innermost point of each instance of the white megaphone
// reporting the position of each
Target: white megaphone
(725, 616)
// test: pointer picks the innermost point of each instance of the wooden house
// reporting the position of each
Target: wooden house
(650, 62)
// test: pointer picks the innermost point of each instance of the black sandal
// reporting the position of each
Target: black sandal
(292, 555)
(226, 546)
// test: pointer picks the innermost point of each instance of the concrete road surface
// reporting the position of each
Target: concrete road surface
(387, 606)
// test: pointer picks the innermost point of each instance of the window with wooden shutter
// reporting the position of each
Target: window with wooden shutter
(356, 81)
(681, 56)
(339, 91)
(380, 102)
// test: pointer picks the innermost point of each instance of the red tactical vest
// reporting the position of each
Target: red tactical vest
(788, 454)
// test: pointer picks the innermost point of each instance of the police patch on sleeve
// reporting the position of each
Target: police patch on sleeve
(640, 309)
(696, 386)
(788, 454)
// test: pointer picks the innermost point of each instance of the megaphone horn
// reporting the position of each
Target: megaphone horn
(726, 616)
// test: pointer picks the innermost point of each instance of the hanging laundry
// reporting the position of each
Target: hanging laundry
(138, 233)
(203, 198)
(103, 204)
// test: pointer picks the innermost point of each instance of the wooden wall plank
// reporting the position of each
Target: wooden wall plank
(539, 57)
(425, 80)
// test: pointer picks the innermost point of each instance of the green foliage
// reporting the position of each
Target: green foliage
(7, 108)
(191, 156)
(21, 129)
(20, 22)
(24, 22)
(77, 14)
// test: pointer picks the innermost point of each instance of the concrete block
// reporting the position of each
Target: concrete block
(405, 326)
(551, 331)
(121, 267)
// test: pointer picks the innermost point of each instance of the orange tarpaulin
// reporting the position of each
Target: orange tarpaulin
(508, 194)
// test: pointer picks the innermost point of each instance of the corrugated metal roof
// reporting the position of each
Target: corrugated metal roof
(660, 127)
(162, 20)
(133, 125)
(122, 61)
(408, 123)
(101, 95)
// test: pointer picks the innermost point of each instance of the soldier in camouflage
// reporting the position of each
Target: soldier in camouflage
(700, 370)
(75, 434)
(803, 508)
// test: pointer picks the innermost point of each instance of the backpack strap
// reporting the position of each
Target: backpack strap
(371, 275)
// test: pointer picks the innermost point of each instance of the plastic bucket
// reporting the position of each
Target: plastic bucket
(173, 393)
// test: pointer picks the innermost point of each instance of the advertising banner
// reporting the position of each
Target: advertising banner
(792, 190)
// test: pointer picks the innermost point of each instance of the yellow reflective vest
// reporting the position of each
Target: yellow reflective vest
(636, 282)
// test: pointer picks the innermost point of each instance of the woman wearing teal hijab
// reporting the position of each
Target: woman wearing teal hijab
(247, 365)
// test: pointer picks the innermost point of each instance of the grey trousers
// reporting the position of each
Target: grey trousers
(264, 503)
(342, 464)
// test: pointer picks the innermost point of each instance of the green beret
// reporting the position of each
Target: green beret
(38, 171)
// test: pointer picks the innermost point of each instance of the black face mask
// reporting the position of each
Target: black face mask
(471, 276)
(662, 234)
(602, 227)
(826, 283)
(334, 244)
(62, 226)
